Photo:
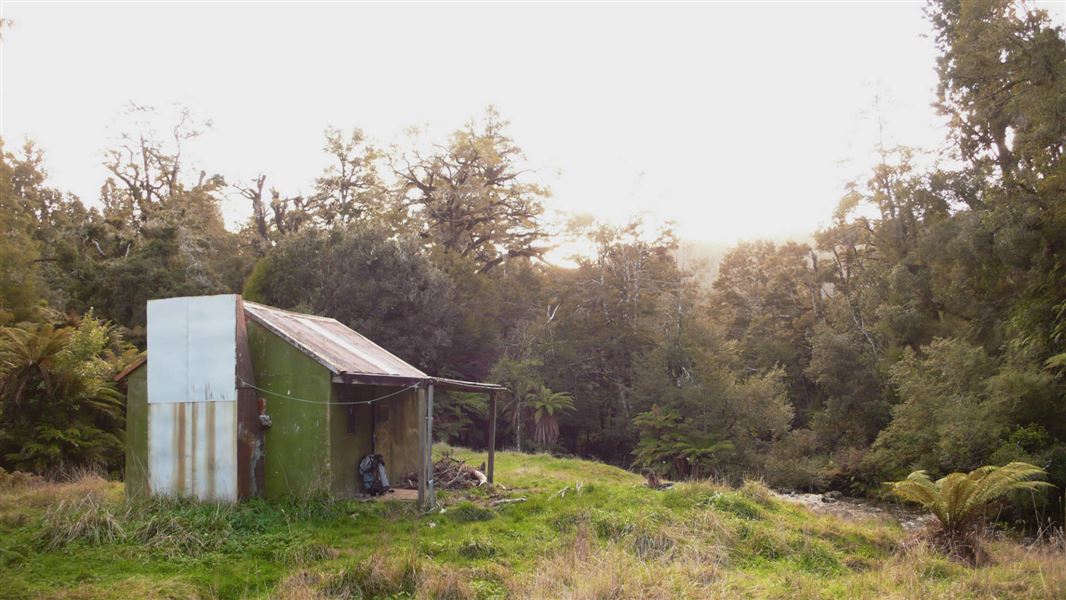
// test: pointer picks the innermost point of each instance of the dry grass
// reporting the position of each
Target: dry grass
(300, 585)
(612, 572)
(920, 572)
(88, 518)
(641, 562)
(383, 576)
(22, 495)
(756, 490)
(145, 588)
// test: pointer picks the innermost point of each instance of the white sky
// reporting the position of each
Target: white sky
(734, 120)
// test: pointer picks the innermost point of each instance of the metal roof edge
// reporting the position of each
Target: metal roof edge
(140, 360)
(336, 370)
(290, 312)
(466, 386)
(295, 343)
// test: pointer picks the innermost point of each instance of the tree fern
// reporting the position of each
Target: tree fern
(665, 450)
(546, 405)
(956, 499)
(59, 408)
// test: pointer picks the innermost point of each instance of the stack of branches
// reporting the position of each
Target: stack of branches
(449, 474)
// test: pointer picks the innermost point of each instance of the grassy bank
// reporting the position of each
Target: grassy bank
(585, 530)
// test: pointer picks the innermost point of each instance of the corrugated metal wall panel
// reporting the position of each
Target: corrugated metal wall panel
(192, 397)
(193, 449)
(168, 327)
(193, 350)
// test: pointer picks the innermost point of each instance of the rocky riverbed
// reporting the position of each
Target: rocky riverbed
(858, 509)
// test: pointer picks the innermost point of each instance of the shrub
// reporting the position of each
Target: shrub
(61, 411)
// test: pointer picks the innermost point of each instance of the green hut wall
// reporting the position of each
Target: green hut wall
(136, 475)
(297, 460)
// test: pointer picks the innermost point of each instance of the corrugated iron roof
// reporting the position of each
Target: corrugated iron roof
(336, 346)
(350, 356)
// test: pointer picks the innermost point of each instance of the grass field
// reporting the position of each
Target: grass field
(585, 530)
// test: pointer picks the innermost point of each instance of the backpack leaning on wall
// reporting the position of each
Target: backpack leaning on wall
(372, 472)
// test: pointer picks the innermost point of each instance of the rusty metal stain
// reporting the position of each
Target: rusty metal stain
(250, 430)
(193, 449)
(179, 450)
(210, 448)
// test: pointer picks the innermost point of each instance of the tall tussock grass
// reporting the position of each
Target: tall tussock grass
(88, 510)
(14, 480)
(180, 529)
(172, 527)
(90, 519)
(20, 490)
(140, 587)
(78, 506)
(381, 576)
(305, 553)
(758, 491)
(610, 571)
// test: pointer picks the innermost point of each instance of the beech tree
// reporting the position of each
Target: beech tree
(472, 196)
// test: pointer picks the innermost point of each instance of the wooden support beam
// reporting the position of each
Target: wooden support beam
(423, 468)
(431, 496)
(492, 436)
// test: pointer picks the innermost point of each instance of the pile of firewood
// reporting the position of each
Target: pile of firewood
(449, 474)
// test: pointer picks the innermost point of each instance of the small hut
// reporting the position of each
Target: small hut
(236, 399)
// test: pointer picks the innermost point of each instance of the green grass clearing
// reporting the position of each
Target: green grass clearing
(587, 530)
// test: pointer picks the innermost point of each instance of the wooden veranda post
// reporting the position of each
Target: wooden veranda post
(423, 469)
(492, 436)
(431, 497)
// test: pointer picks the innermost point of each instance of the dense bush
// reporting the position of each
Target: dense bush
(60, 410)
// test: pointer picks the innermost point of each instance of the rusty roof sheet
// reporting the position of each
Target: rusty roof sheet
(140, 360)
(336, 346)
